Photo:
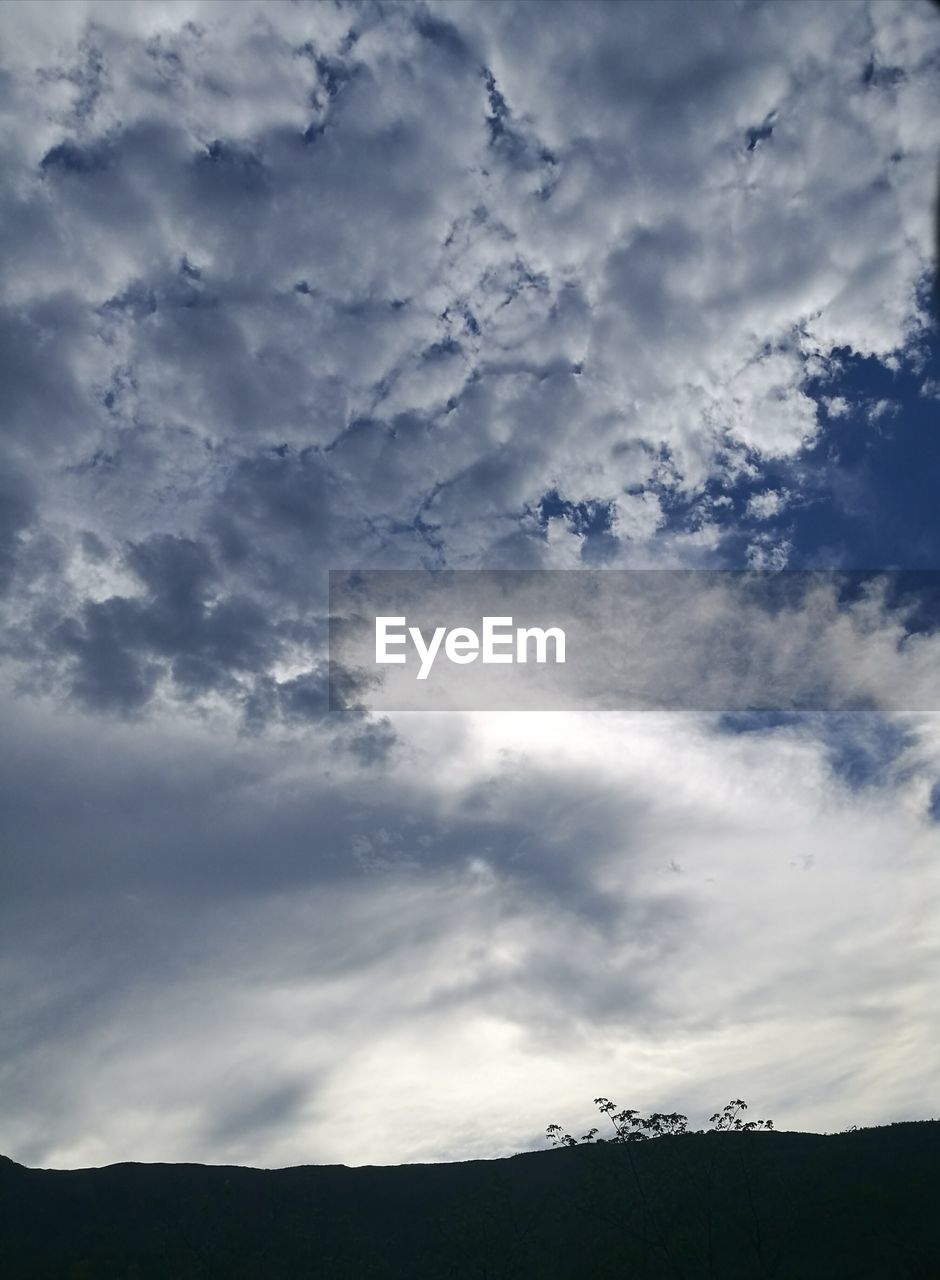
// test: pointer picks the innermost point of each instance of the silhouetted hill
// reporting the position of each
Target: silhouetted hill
(783, 1206)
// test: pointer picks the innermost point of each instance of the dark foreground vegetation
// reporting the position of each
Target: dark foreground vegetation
(721, 1205)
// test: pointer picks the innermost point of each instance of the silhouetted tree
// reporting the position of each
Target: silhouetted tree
(630, 1126)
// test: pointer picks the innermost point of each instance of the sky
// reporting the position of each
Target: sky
(295, 287)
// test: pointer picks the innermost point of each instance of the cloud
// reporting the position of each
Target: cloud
(761, 506)
(402, 235)
(291, 288)
(559, 904)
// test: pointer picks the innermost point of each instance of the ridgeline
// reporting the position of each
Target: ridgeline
(862, 1205)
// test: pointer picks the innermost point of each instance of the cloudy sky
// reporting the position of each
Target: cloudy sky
(296, 287)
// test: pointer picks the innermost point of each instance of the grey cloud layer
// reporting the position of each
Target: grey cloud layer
(222, 953)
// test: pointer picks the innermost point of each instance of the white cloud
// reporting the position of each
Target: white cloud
(836, 406)
(763, 506)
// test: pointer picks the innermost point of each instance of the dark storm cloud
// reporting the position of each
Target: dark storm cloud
(41, 398)
(281, 493)
(117, 647)
(17, 511)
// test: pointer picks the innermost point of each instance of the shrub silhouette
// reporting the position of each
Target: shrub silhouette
(630, 1126)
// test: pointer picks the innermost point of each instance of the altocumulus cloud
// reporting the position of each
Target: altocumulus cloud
(293, 287)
